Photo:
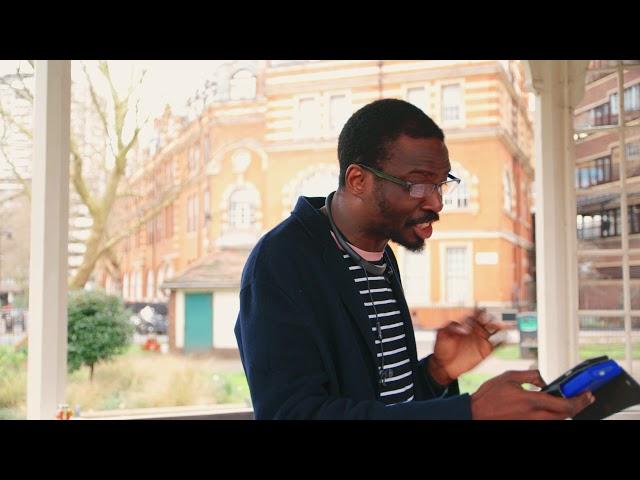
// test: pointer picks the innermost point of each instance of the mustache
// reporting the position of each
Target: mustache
(430, 216)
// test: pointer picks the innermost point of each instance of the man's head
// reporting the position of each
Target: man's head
(393, 138)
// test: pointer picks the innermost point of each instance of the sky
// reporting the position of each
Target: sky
(166, 81)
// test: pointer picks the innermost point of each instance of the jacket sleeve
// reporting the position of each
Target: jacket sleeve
(285, 369)
(437, 390)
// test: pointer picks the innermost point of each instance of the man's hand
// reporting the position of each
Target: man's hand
(503, 398)
(460, 346)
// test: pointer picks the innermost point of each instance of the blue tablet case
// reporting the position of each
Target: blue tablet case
(613, 388)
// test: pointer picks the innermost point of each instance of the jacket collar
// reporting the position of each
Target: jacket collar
(317, 225)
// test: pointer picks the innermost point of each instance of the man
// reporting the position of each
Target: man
(324, 330)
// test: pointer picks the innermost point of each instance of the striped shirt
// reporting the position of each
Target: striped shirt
(378, 296)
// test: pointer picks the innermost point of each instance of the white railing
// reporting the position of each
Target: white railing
(213, 412)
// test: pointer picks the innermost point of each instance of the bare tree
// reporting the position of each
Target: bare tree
(115, 110)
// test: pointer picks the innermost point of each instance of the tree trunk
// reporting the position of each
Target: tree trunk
(91, 256)
(91, 373)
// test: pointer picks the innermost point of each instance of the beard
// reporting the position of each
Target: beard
(394, 233)
(414, 247)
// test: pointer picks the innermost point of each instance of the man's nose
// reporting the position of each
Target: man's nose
(433, 202)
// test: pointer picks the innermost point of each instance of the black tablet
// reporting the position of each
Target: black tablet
(613, 388)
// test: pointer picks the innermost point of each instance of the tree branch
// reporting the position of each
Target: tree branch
(25, 185)
(15, 195)
(79, 182)
(96, 104)
(119, 107)
(23, 92)
(8, 117)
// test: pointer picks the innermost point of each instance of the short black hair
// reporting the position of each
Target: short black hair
(369, 131)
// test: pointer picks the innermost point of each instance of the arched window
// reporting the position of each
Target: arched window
(242, 209)
(242, 85)
(318, 184)
(465, 196)
(459, 199)
(241, 217)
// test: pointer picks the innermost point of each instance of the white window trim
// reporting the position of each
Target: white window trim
(471, 184)
(443, 273)
(325, 109)
(452, 208)
(289, 189)
(230, 236)
(424, 299)
(296, 133)
(461, 122)
(428, 90)
(507, 175)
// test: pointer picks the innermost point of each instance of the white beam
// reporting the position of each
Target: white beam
(558, 86)
(47, 360)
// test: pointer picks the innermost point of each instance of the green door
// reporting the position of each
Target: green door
(198, 322)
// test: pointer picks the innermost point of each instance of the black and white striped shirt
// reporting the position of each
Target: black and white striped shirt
(398, 387)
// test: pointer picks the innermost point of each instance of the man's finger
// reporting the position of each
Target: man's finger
(546, 415)
(480, 315)
(565, 406)
(483, 330)
(525, 376)
(491, 326)
(551, 403)
(458, 328)
(581, 402)
(496, 325)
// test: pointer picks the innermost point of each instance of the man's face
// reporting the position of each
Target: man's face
(396, 215)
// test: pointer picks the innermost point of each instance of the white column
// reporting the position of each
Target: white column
(179, 319)
(558, 86)
(47, 360)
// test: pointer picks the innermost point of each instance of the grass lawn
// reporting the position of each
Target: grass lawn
(469, 382)
(613, 350)
(140, 379)
(136, 379)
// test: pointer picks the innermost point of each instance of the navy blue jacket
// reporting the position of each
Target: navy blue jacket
(305, 338)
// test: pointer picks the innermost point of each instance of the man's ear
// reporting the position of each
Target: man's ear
(356, 181)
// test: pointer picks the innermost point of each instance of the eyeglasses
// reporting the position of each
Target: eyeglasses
(418, 190)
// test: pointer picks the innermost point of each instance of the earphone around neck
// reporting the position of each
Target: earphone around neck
(384, 373)
(371, 268)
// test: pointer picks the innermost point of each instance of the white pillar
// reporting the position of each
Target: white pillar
(47, 360)
(558, 86)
